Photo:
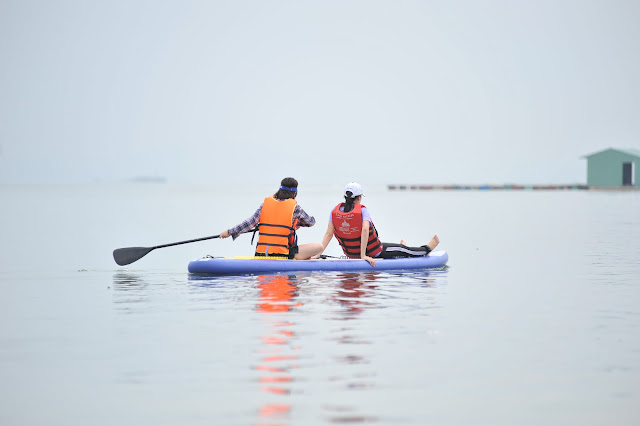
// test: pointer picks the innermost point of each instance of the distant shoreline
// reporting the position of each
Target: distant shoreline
(509, 187)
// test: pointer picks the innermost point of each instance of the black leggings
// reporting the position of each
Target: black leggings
(391, 250)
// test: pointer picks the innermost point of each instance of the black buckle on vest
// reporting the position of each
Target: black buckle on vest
(254, 233)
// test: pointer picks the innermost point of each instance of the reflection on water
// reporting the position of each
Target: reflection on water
(343, 360)
(278, 351)
(354, 294)
(279, 303)
(352, 291)
(125, 280)
(297, 354)
(277, 293)
(424, 279)
(129, 291)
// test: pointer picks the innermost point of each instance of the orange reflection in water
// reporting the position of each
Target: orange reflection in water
(277, 298)
(277, 293)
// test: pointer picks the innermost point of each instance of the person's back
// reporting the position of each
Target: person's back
(276, 220)
(350, 222)
(276, 229)
(347, 228)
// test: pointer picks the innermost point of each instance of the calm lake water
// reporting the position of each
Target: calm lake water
(535, 322)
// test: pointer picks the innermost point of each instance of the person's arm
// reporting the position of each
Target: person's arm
(327, 236)
(304, 219)
(325, 240)
(364, 239)
(245, 226)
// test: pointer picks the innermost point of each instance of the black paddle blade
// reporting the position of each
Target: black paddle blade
(125, 256)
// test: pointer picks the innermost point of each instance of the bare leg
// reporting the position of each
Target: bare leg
(434, 242)
(307, 251)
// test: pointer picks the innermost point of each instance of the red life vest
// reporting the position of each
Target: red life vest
(347, 227)
(277, 229)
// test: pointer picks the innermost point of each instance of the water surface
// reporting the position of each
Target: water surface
(536, 320)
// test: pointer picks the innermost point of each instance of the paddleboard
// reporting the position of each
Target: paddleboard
(244, 266)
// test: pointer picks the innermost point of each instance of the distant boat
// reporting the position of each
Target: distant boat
(149, 179)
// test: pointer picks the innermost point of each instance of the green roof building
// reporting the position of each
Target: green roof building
(613, 167)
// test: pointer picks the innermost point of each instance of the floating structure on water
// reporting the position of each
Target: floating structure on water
(486, 187)
(614, 167)
(508, 187)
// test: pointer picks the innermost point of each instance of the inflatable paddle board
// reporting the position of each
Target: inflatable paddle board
(243, 266)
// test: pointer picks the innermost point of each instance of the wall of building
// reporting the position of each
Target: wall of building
(605, 168)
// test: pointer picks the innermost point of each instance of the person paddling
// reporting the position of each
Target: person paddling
(350, 222)
(276, 221)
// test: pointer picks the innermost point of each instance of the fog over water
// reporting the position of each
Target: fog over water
(417, 92)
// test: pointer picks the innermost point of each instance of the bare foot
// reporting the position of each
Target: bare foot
(434, 242)
(403, 242)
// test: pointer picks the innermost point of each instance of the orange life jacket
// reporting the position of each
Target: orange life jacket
(347, 227)
(277, 229)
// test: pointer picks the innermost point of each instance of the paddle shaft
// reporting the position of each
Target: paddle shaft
(185, 242)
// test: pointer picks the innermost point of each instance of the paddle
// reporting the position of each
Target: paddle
(127, 255)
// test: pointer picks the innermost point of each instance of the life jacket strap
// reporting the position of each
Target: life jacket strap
(275, 226)
(292, 237)
(272, 245)
(254, 230)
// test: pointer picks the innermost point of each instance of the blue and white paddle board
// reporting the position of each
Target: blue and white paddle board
(242, 266)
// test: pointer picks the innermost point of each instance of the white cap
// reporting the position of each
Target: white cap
(354, 188)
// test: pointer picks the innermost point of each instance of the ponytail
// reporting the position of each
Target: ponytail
(349, 200)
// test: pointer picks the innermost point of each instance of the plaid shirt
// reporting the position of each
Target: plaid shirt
(298, 213)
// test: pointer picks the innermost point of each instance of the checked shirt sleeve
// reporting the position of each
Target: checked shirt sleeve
(303, 218)
(246, 225)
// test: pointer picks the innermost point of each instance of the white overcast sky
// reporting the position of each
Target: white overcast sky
(326, 91)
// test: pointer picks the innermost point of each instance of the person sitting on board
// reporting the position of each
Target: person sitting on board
(352, 226)
(276, 221)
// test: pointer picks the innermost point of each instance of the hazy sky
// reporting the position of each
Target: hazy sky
(326, 91)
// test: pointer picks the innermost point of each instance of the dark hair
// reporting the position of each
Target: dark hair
(349, 201)
(283, 194)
